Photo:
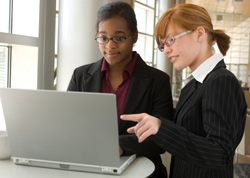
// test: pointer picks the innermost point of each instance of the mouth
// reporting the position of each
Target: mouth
(173, 58)
(112, 54)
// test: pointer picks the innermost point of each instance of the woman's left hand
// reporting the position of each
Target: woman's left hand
(147, 125)
(121, 151)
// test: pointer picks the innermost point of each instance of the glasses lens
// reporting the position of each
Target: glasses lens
(161, 47)
(119, 39)
(102, 40)
(170, 41)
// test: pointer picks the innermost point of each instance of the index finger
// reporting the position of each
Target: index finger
(132, 117)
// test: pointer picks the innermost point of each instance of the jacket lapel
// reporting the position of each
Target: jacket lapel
(186, 93)
(93, 80)
(189, 90)
(139, 84)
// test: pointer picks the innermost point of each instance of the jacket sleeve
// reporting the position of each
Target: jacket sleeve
(72, 84)
(162, 107)
(130, 145)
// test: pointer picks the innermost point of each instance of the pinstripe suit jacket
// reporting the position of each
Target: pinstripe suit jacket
(208, 125)
(149, 92)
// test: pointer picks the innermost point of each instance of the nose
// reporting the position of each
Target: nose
(111, 44)
(167, 49)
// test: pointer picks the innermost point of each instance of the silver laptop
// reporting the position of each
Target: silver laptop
(64, 130)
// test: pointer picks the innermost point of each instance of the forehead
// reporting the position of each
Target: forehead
(173, 30)
(169, 31)
(113, 25)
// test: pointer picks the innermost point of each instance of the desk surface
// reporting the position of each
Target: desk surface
(141, 167)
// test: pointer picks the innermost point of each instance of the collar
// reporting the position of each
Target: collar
(130, 67)
(206, 67)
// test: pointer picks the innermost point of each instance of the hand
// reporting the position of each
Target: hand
(121, 151)
(147, 125)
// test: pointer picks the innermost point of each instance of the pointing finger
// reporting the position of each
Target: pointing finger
(132, 117)
(131, 130)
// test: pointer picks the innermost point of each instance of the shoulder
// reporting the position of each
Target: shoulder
(142, 68)
(220, 72)
(222, 86)
(158, 72)
(221, 79)
(91, 67)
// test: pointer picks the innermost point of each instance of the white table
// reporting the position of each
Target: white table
(140, 168)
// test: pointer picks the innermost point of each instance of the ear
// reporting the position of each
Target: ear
(135, 37)
(201, 33)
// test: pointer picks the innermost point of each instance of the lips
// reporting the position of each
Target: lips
(112, 54)
(173, 58)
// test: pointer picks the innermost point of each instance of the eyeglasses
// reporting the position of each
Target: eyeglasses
(170, 40)
(116, 39)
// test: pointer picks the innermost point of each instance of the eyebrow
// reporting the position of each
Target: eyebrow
(171, 34)
(117, 32)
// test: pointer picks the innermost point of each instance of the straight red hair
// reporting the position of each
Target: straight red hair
(189, 17)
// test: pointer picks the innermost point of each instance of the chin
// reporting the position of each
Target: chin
(178, 67)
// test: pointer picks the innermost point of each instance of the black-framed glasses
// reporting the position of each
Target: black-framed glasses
(116, 39)
(170, 40)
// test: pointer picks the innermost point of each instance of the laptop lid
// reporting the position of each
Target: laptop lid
(74, 130)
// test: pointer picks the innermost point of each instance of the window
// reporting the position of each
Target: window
(24, 67)
(4, 16)
(19, 43)
(237, 27)
(3, 66)
(25, 18)
(27, 45)
(56, 43)
(145, 11)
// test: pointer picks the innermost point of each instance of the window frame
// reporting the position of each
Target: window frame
(153, 49)
(45, 42)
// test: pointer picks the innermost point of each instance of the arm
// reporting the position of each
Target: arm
(86, 78)
(223, 115)
(162, 106)
(162, 99)
(72, 84)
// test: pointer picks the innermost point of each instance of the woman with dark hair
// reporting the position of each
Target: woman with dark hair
(210, 115)
(138, 87)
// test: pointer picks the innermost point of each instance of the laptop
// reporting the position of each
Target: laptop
(64, 130)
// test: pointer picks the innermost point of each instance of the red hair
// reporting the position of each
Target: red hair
(189, 17)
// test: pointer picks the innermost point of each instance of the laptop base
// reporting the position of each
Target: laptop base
(75, 167)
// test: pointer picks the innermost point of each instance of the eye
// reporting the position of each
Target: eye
(102, 40)
(119, 39)
(170, 40)
(161, 46)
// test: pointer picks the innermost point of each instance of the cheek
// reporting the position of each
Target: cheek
(101, 48)
(188, 51)
(185, 59)
(125, 48)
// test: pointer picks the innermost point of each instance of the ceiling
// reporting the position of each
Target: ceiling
(224, 6)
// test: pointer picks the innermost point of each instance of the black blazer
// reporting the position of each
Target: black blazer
(149, 92)
(207, 128)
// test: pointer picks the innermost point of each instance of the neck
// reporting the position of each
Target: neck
(201, 59)
(119, 67)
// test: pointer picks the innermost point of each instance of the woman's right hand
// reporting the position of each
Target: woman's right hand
(146, 126)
